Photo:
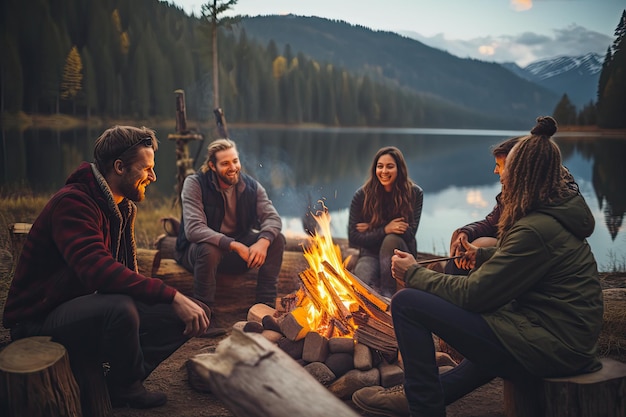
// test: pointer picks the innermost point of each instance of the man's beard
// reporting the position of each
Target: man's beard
(134, 192)
(228, 180)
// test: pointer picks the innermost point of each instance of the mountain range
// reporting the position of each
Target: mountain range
(575, 76)
(503, 92)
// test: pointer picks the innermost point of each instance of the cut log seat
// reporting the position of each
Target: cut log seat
(601, 393)
(37, 380)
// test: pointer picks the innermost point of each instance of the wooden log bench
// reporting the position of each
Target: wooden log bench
(235, 294)
(597, 394)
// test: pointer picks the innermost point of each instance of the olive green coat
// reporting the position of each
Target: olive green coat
(538, 290)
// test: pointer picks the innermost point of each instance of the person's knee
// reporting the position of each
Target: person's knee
(279, 243)
(122, 309)
(203, 250)
(408, 297)
(391, 242)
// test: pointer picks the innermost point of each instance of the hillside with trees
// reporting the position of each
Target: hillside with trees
(124, 58)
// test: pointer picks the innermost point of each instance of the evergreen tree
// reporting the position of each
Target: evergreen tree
(587, 116)
(612, 85)
(89, 93)
(72, 80)
(565, 112)
(604, 73)
(52, 55)
(11, 81)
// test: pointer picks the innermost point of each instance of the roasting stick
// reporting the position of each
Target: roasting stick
(429, 261)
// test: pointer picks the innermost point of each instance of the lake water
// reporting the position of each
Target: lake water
(301, 166)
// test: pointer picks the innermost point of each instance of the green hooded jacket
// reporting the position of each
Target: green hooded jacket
(538, 290)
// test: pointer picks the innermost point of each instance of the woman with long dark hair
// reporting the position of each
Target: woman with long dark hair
(384, 215)
(530, 308)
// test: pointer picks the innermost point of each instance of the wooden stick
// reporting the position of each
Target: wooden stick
(430, 261)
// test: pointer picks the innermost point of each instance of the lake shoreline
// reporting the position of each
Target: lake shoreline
(23, 121)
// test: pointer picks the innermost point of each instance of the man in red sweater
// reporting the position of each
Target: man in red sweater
(77, 280)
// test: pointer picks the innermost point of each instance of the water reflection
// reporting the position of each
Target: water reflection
(300, 166)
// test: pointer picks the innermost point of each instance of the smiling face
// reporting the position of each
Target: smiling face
(138, 175)
(227, 167)
(386, 171)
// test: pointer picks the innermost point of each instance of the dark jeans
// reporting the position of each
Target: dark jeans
(205, 260)
(132, 337)
(416, 315)
(452, 269)
(375, 270)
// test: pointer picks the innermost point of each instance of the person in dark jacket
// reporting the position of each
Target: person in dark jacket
(77, 281)
(384, 215)
(482, 233)
(228, 222)
(530, 308)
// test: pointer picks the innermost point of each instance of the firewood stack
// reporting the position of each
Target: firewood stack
(342, 364)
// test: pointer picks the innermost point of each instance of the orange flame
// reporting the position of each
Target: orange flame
(331, 299)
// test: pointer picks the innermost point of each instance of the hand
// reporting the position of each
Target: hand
(397, 226)
(468, 261)
(257, 253)
(194, 317)
(455, 246)
(400, 263)
(362, 227)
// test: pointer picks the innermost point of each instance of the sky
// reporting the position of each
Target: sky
(520, 31)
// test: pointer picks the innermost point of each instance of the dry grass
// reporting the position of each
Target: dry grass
(25, 207)
(612, 340)
(148, 225)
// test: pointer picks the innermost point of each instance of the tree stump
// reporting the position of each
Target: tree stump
(94, 394)
(254, 378)
(601, 393)
(37, 380)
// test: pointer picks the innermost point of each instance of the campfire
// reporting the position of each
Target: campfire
(335, 303)
(334, 325)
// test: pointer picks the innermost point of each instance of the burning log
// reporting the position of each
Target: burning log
(336, 301)
(357, 286)
(242, 373)
(295, 324)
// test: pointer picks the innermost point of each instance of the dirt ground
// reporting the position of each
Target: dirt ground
(171, 377)
(183, 401)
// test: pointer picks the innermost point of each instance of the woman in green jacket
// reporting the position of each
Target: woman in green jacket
(531, 307)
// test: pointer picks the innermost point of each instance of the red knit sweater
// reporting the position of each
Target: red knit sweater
(82, 242)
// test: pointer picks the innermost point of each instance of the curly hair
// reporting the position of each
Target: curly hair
(533, 174)
(401, 193)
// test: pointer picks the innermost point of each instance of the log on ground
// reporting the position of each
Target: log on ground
(253, 378)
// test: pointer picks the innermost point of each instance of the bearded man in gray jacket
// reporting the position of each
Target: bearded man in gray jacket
(228, 224)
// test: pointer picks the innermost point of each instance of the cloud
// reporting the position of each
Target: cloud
(521, 5)
(525, 48)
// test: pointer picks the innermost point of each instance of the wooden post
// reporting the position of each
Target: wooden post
(37, 380)
(220, 121)
(181, 112)
(184, 163)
